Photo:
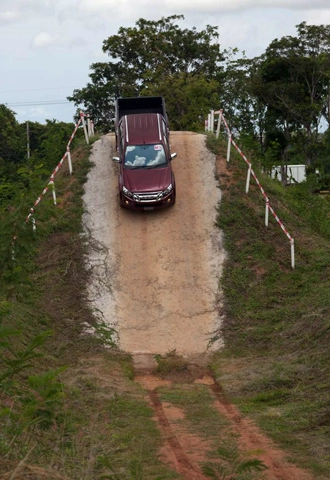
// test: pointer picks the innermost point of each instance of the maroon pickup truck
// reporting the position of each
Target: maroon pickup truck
(146, 179)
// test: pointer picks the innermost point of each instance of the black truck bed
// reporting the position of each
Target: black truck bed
(131, 105)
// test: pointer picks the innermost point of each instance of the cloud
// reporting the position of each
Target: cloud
(8, 16)
(43, 39)
(15, 11)
(318, 17)
(236, 5)
(46, 40)
(18, 10)
(99, 6)
(97, 13)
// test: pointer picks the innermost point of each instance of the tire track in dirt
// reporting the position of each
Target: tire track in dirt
(182, 463)
(252, 439)
(183, 450)
(187, 460)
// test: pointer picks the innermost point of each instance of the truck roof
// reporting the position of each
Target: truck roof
(143, 128)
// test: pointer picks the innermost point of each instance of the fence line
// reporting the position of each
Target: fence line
(87, 132)
(210, 127)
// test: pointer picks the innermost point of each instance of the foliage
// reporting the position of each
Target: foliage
(28, 402)
(170, 362)
(12, 145)
(293, 81)
(243, 109)
(52, 142)
(189, 98)
(24, 177)
(232, 466)
(21, 168)
(150, 58)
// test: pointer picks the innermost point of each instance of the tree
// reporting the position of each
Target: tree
(50, 145)
(189, 99)
(294, 85)
(12, 145)
(147, 58)
(244, 110)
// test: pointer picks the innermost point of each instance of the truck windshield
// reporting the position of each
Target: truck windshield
(145, 156)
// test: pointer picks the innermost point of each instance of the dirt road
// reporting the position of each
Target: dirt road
(155, 274)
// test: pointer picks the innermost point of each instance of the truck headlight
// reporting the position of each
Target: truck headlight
(127, 192)
(168, 189)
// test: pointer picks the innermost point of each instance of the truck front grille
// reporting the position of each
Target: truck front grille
(148, 197)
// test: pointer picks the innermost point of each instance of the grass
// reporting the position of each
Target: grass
(197, 403)
(275, 362)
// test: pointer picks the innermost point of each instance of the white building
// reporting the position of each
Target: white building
(295, 173)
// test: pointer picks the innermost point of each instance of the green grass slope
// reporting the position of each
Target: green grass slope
(275, 364)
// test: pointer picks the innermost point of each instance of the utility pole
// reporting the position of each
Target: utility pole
(28, 139)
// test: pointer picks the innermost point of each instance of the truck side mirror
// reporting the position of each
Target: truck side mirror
(173, 155)
(116, 159)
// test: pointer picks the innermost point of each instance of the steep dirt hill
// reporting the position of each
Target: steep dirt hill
(154, 279)
(155, 274)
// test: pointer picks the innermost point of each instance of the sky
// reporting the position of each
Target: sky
(48, 46)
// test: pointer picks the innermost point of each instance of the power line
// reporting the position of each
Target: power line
(38, 103)
(37, 89)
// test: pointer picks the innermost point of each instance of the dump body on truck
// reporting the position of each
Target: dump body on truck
(146, 179)
(131, 105)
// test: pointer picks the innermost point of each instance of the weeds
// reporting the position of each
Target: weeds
(30, 403)
(232, 466)
(276, 327)
(170, 362)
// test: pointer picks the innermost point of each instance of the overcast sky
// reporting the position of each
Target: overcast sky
(47, 46)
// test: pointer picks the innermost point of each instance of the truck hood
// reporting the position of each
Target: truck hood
(147, 180)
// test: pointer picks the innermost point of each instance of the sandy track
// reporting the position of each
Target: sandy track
(155, 274)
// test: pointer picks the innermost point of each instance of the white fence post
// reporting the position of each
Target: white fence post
(248, 178)
(69, 159)
(212, 121)
(89, 126)
(292, 253)
(219, 124)
(228, 146)
(52, 184)
(82, 116)
(267, 213)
